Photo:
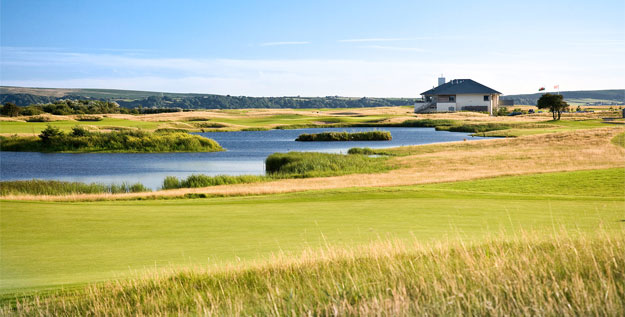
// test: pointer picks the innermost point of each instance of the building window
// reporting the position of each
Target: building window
(486, 98)
(452, 98)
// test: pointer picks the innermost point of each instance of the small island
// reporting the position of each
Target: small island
(81, 140)
(347, 136)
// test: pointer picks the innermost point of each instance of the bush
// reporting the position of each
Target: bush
(49, 133)
(79, 131)
(346, 136)
(502, 111)
(31, 111)
(10, 109)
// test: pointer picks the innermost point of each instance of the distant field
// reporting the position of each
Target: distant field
(93, 241)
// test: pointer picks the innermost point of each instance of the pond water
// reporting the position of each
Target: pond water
(246, 153)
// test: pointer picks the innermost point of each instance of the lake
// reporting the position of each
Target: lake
(246, 153)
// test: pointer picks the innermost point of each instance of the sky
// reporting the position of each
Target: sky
(312, 48)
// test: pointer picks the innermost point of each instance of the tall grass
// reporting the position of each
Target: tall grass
(311, 164)
(200, 180)
(557, 276)
(346, 136)
(51, 187)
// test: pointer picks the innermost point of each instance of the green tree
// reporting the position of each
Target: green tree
(10, 109)
(555, 104)
(49, 132)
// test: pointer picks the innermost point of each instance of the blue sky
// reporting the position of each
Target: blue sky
(312, 48)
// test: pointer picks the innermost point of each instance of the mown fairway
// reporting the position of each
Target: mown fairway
(52, 243)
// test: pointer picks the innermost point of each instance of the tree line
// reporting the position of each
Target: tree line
(217, 101)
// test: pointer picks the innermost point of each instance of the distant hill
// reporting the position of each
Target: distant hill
(23, 96)
(578, 97)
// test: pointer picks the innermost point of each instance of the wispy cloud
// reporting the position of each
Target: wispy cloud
(383, 39)
(395, 48)
(279, 77)
(284, 43)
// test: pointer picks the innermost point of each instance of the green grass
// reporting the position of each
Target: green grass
(551, 126)
(46, 244)
(597, 183)
(51, 187)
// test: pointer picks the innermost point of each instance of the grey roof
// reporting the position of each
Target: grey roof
(460, 86)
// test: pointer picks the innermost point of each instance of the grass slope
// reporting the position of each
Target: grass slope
(86, 242)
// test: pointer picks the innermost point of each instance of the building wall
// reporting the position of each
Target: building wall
(472, 100)
(444, 106)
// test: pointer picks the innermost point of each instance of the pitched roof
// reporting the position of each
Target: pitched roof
(460, 86)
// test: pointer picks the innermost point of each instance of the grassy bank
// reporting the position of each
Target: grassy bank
(559, 276)
(50, 187)
(346, 136)
(81, 140)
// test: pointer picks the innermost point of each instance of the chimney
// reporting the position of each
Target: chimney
(441, 80)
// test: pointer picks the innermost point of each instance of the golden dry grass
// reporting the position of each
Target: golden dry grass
(448, 162)
(561, 275)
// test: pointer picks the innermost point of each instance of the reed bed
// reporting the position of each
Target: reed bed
(346, 136)
(51, 187)
(311, 164)
(200, 180)
(560, 275)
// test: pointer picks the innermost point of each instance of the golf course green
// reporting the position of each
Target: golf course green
(49, 244)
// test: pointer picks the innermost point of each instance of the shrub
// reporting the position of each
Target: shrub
(50, 132)
(31, 111)
(502, 111)
(79, 131)
(10, 109)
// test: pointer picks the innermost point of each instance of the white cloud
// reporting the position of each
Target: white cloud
(306, 77)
